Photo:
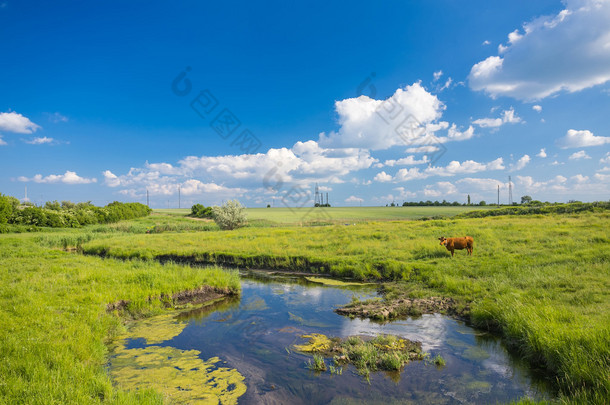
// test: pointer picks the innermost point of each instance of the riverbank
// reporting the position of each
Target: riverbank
(541, 281)
(58, 310)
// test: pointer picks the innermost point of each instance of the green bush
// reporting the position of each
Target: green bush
(230, 215)
(66, 214)
(200, 211)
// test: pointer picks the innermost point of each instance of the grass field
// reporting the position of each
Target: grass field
(541, 282)
(285, 215)
(54, 323)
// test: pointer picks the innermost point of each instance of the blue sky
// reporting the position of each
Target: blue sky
(405, 101)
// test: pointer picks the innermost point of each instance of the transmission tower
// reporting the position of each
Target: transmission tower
(318, 199)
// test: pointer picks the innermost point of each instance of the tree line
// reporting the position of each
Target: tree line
(65, 214)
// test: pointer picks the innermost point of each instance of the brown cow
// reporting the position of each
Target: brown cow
(458, 244)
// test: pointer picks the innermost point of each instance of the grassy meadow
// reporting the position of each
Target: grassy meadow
(54, 321)
(542, 282)
(284, 215)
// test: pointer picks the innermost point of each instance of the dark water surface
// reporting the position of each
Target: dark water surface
(255, 334)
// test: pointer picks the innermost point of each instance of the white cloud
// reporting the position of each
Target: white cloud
(17, 123)
(579, 155)
(423, 149)
(407, 117)
(404, 193)
(481, 184)
(581, 139)
(383, 177)
(57, 118)
(354, 199)
(278, 172)
(452, 169)
(406, 161)
(521, 163)
(565, 52)
(579, 178)
(605, 159)
(542, 153)
(529, 185)
(39, 140)
(468, 166)
(508, 117)
(2, 142)
(441, 188)
(604, 169)
(437, 75)
(67, 178)
(602, 177)
(453, 134)
(537, 108)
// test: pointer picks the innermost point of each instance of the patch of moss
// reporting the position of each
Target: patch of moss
(385, 352)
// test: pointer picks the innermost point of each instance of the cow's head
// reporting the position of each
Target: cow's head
(443, 240)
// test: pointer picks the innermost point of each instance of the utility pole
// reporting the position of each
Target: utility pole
(178, 196)
(147, 201)
(498, 195)
(510, 191)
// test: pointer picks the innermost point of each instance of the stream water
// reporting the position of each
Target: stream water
(254, 334)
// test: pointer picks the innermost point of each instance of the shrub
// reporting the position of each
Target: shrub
(230, 215)
(7, 205)
(199, 211)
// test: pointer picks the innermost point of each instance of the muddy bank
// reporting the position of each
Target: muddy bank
(382, 310)
(195, 296)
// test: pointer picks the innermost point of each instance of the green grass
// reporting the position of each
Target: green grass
(283, 215)
(54, 323)
(541, 282)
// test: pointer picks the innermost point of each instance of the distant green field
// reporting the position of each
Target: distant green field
(295, 215)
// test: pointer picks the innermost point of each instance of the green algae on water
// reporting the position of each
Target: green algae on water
(333, 282)
(180, 375)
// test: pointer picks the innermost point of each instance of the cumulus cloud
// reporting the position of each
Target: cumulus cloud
(441, 188)
(383, 177)
(579, 178)
(2, 142)
(380, 124)
(529, 185)
(354, 199)
(67, 178)
(482, 184)
(508, 117)
(564, 52)
(542, 153)
(423, 149)
(521, 163)
(278, 171)
(437, 75)
(406, 161)
(17, 123)
(579, 155)
(537, 108)
(605, 159)
(581, 139)
(452, 169)
(39, 140)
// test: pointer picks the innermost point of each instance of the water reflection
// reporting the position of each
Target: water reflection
(255, 334)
